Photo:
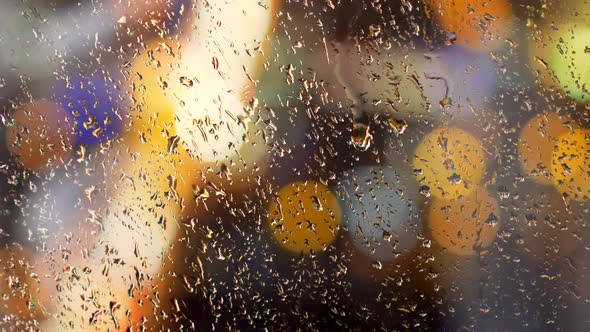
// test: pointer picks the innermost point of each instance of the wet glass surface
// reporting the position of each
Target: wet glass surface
(294, 165)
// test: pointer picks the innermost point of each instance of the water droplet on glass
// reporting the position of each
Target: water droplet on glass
(377, 265)
(316, 203)
(454, 179)
(361, 136)
(424, 191)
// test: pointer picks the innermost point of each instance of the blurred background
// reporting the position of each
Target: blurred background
(294, 164)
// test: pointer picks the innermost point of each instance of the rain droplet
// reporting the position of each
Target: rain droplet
(316, 203)
(503, 192)
(425, 191)
(361, 136)
(492, 220)
(399, 126)
(454, 179)
(186, 81)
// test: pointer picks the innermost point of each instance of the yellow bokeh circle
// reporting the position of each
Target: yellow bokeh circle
(570, 164)
(477, 24)
(536, 142)
(304, 216)
(150, 76)
(450, 162)
(464, 226)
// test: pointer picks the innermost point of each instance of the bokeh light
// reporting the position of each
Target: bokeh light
(480, 25)
(450, 162)
(20, 49)
(41, 135)
(567, 56)
(162, 14)
(213, 123)
(379, 210)
(464, 226)
(469, 76)
(93, 104)
(152, 118)
(21, 289)
(535, 145)
(305, 216)
(570, 164)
